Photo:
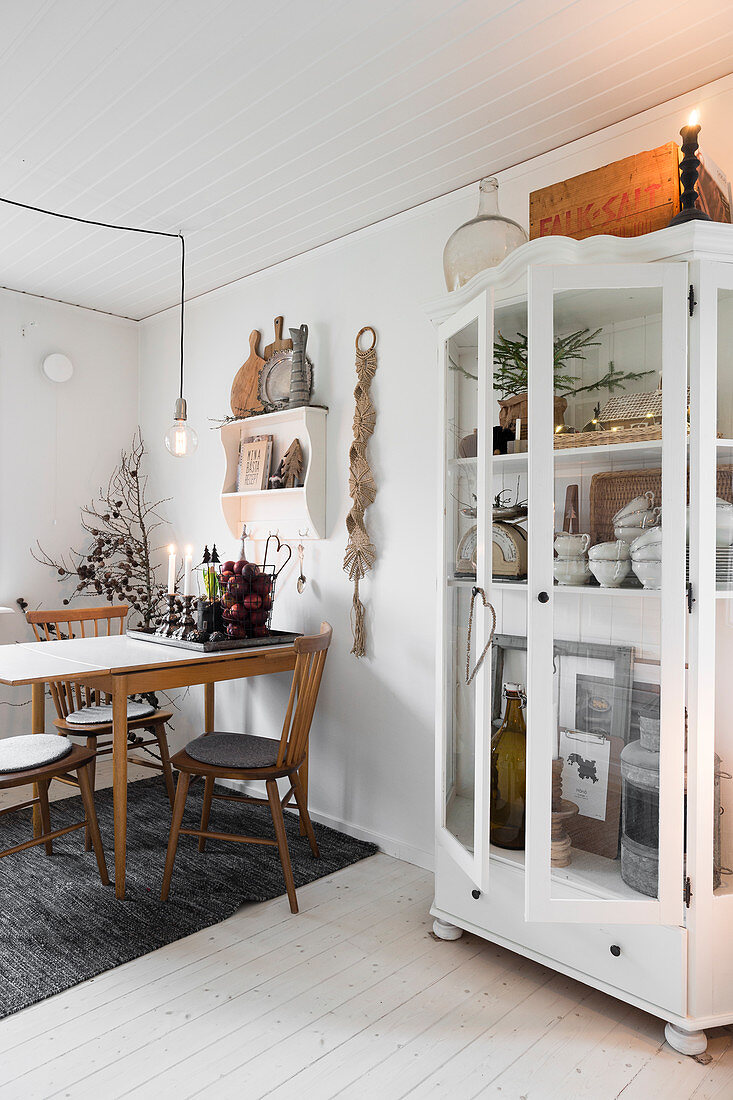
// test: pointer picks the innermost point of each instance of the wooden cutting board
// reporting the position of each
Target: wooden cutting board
(278, 344)
(244, 399)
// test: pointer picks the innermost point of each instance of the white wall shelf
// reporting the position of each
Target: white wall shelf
(298, 513)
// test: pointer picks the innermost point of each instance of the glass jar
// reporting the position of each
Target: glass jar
(508, 773)
(482, 242)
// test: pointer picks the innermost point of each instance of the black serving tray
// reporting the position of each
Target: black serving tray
(274, 638)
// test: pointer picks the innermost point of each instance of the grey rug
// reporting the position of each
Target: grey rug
(60, 926)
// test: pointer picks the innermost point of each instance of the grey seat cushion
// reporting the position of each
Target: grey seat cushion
(32, 750)
(234, 750)
(93, 716)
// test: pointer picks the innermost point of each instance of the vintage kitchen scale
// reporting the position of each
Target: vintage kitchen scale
(509, 541)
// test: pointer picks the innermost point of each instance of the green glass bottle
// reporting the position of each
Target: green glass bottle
(508, 773)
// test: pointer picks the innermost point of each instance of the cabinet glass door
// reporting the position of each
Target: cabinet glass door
(462, 747)
(607, 613)
(709, 785)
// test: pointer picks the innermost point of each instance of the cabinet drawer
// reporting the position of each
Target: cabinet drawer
(647, 961)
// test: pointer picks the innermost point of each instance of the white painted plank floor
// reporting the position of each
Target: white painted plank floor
(352, 998)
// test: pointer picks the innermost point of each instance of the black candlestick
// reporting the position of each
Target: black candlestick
(689, 171)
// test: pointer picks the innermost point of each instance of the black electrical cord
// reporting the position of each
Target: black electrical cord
(123, 229)
(183, 287)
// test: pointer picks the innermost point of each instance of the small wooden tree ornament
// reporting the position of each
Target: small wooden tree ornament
(291, 466)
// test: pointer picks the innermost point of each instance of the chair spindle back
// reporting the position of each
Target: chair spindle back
(69, 695)
(311, 657)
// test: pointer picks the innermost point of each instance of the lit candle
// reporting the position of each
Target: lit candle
(689, 168)
(171, 569)
(187, 564)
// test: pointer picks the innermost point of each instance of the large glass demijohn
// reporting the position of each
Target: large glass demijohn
(482, 242)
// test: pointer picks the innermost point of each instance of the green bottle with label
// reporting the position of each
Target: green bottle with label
(508, 773)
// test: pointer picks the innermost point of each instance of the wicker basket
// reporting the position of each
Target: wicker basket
(611, 490)
(595, 439)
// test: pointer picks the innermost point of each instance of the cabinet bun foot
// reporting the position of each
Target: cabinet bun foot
(445, 931)
(686, 1042)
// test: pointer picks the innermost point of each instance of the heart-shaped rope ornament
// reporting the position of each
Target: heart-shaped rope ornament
(361, 553)
(474, 593)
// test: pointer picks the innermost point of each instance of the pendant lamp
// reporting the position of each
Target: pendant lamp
(180, 439)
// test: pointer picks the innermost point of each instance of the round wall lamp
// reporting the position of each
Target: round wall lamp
(58, 367)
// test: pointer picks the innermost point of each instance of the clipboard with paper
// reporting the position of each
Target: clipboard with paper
(591, 778)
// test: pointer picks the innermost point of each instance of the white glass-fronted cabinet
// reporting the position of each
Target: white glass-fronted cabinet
(588, 502)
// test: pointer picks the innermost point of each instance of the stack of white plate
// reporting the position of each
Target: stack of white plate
(723, 566)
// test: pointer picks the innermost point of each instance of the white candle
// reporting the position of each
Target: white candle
(187, 564)
(171, 569)
(518, 428)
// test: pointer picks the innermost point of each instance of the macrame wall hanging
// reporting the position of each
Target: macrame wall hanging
(360, 552)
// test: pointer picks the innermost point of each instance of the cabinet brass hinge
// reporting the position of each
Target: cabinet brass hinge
(692, 301)
(690, 598)
(688, 893)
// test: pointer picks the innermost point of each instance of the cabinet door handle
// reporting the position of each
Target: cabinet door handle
(475, 894)
(543, 597)
(615, 950)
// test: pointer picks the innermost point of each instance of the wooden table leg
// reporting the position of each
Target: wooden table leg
(208, 707)
(119, 783)
(38, 725)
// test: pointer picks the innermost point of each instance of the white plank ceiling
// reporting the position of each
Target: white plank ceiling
(263, 129)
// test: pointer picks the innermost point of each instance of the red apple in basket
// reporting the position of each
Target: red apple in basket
(235, 631)
(249, 571)
(258, 618)
(238, 566)
(260, 631)
(228, 567)
(261, 583)
(236, 611)
(252, 601)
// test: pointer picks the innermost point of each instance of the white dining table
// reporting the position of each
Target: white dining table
(122, 666)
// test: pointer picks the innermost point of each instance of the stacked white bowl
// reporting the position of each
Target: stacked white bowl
(646, 557)
(636, 516)
(610, 563)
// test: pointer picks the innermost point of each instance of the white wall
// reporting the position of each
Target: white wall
(58, 444)
(372, 754)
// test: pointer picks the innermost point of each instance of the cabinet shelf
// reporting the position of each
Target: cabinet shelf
(564, 589)
(588, 873)
(570, 458)
(269, 493)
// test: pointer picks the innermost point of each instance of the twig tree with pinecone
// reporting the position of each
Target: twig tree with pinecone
(119, 561)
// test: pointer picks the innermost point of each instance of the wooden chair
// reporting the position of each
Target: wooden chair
(246, 757)
(70, 696)
(78, 759)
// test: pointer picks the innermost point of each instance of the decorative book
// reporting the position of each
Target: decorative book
(253, 471)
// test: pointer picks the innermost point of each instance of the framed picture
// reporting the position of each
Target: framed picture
(599, 662)
(594, 690)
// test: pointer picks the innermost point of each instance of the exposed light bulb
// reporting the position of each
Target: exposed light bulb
(180, 439)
